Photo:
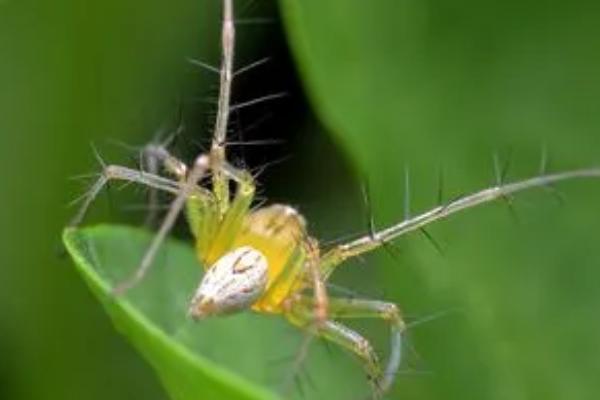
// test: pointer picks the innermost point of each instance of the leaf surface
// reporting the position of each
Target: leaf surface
(188, 357)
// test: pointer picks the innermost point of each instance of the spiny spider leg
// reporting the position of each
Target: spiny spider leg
(153, 155)
(349, 340)
(340, 308)
(201, 165)
(367, 243)
(217, 151)
(116, 172)
(357, 308)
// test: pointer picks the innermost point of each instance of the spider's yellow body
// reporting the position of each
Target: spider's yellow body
(278, 232)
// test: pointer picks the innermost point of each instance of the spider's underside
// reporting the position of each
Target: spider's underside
(264, 259)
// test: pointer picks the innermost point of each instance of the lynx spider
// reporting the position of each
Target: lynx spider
(264, 259)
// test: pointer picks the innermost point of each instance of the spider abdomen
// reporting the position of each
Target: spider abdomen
(279, 232)
(233, 283)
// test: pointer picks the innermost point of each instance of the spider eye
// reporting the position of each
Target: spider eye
(231, 284)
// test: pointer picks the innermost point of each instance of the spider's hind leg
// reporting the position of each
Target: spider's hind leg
(339, 308)
(119, 173)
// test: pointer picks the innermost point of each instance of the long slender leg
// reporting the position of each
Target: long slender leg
(154, 155)
(356, 308)
(370, 242)
(115, 172)
(217, 152)
(359, 345)
(187, 189)
(346, 338)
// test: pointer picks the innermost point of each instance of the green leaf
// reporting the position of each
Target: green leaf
(443, 85)
(188, 357)
(243, 356)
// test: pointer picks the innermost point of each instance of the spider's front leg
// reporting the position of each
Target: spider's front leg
(300, 314)
(200, 203)
(187, 189)
(154, 158)
(374, 240)
(120, 173)
(217, 151)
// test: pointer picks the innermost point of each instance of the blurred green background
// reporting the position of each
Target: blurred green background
(428, 85)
